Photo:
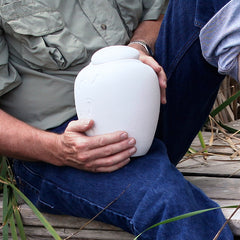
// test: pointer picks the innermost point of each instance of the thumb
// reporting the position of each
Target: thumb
(81, 125)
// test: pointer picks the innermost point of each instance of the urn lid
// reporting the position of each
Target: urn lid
(114, 53)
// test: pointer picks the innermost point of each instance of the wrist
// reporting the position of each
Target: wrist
(144, 46)
(48, 148)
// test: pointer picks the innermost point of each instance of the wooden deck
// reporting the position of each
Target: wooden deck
(216, 172)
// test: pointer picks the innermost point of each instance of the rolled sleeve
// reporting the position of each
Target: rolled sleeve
(153, 9)
(220, 40)
(9, 77)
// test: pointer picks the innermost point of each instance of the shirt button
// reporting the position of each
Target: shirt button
(103, 26)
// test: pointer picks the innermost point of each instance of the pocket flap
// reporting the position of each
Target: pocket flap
(38, 24)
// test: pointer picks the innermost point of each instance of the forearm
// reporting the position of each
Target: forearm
(102, 153)
(22, 141)
(147, 32)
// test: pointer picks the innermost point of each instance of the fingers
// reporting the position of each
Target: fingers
(161, 75)
(108, 157)
(112, 167)
(81, 125)
(121, 150)
(111, 162)
(106, 139)
(106, 152)
(163, 85)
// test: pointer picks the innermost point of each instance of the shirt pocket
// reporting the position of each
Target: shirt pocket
(39, 35)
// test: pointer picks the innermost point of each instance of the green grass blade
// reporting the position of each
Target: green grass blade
(200, 136)
(3, 170)
(43, 220)
(181, 217)
(13, 228)
(18, 218)
(5, 210)
(9, 213)
(224, 104)
(229, 129)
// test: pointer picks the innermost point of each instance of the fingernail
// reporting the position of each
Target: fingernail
(132, 141)
(124, 136)
(85, 122)
(132, 150)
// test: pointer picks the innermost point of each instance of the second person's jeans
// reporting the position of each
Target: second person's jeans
(192, 83)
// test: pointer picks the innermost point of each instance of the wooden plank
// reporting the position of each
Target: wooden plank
(235, 220)
(224, 191)
(221, 159)
(217, 173)
(222, 145)
(212, 165)
(234, 124)
(36, 232)
(218, 188)
(67, 225)
(219, 139)
(60, 221)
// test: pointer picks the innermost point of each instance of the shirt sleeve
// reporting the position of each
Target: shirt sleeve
(9, 77)
(153, 8)
(220, 40)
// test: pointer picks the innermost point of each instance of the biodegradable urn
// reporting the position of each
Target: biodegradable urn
(119, 92)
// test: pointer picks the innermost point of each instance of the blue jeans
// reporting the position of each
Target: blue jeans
(192, 83)
(154, 189)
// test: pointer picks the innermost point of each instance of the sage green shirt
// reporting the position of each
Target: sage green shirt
(45, 43)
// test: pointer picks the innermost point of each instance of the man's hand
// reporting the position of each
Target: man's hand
(147, 32)
(160, 72)
(145, 58)
(103, 153)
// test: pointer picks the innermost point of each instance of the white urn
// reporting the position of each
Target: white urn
(119, 92)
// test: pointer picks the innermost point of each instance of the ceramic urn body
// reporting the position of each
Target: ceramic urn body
(119, 92)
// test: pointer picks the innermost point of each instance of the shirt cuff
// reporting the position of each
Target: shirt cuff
(220, 40)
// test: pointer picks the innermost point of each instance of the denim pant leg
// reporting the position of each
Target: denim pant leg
(192, 82)
(148, 190)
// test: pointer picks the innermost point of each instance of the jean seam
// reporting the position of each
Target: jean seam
(65, 192)
(198, 24)
(27, 183)
(180, 54)
(81, 199)
(87, 201)
(30, 170)
(61, 189)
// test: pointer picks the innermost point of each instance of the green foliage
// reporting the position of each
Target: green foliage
(223, 106)
(187, 215)
(213, 113)
(11, 214)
